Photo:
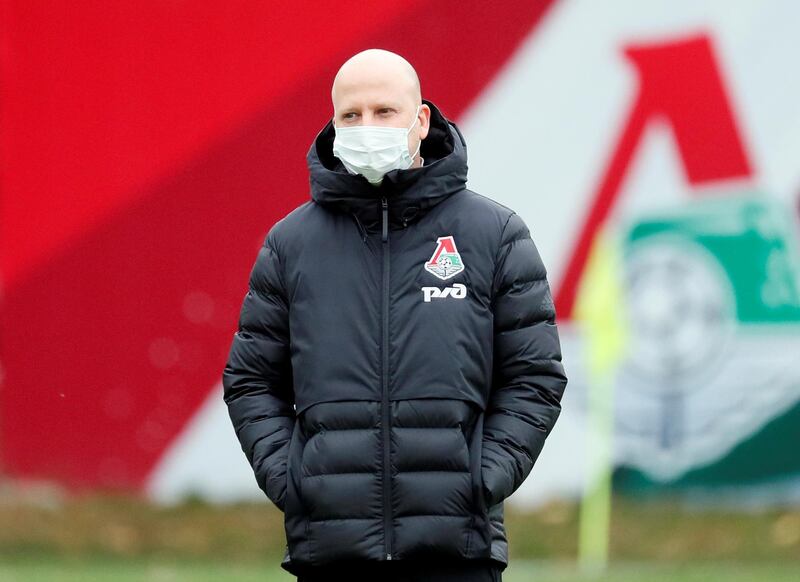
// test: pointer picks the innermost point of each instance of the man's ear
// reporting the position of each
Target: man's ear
(424, 121)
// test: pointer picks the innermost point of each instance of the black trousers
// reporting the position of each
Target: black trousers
(403, 571)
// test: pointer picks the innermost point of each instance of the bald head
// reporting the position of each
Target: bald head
(379, 87)
(377, 67)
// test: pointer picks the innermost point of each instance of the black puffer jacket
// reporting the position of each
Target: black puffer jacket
(397, 365)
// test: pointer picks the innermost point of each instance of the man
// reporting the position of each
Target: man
(397, 365)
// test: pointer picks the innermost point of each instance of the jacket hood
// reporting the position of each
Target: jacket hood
(410, 193)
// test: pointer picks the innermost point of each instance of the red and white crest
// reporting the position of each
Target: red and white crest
(445, 262)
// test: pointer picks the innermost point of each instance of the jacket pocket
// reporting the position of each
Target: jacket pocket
(480, 537)
(475, 447)
(277, 481)
(294, 510)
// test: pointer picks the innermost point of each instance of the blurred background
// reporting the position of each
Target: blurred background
(653, 148)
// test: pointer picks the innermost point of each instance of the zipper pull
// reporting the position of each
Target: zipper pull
(385, 207)
(361, 230)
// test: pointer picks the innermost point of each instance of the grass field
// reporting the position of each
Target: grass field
(115, 537)
(520, 571)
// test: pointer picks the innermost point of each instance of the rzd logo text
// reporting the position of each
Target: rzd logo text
(457, 291)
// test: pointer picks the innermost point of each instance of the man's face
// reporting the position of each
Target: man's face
(382, 100)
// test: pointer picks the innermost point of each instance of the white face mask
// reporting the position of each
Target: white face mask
(372, 150)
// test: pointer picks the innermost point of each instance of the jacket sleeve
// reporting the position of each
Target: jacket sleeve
(528, 378)
(257, 379)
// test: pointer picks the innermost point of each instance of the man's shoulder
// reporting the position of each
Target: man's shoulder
(485, 213)
(486, 207)
(281, 232)
(499, 224)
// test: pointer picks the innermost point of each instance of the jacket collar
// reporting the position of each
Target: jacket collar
(410, 193)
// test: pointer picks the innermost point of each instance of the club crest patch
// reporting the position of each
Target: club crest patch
(445, 262)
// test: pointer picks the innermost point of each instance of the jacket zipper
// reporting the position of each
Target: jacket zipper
(387, 499)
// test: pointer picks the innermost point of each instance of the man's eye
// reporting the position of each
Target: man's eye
(349, 116)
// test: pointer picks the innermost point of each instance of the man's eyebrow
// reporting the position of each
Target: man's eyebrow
(387, 105)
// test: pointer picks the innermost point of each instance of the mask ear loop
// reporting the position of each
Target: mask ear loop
(416, 119)
(419, 143)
